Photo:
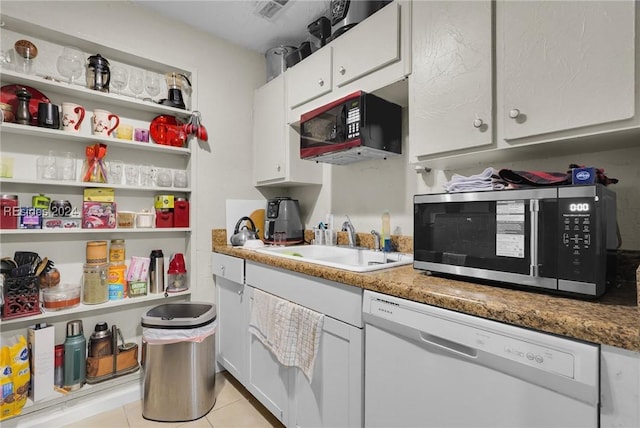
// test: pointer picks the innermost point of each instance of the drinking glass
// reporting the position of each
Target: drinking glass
(66, 166)
(146, 175)
(131, 174)
(136, 82)
(119, 77)
(70, 63)
(114, 168)
(151, 83)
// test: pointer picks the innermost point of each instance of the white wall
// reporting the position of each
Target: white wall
(365, 190)
(226, 78)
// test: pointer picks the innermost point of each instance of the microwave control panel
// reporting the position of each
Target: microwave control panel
(353, 122)
(578, 255)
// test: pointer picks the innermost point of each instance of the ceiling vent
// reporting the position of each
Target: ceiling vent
(269, 9)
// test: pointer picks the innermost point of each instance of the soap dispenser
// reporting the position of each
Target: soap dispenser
(386, 231)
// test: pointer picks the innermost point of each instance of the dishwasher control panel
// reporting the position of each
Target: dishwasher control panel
(467, 333)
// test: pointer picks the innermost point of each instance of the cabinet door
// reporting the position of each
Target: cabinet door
(369, 46)
(266, 378)
(232, 313)
(565, 64)
(309, 79)
(334, 396)
(450, 88)
(269, 131)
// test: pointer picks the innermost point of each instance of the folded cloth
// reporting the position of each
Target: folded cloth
(290, 331)
(486, 180)
(541, 178)
(535, 178)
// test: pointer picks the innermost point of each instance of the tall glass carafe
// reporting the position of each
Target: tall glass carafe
(75, 356)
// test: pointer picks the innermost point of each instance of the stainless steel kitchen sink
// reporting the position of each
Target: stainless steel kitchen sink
(347, 258)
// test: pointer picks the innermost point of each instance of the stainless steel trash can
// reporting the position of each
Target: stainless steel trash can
(178, 361)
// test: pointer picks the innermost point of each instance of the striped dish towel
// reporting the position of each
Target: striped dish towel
(290, 331)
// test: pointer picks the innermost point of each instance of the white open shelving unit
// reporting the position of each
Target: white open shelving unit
(67, 246)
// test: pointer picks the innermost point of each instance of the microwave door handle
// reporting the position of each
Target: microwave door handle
(534, 208)
(341, 125)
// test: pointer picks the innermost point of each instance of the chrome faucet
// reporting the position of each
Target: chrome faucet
(376, 240)
(347, 226)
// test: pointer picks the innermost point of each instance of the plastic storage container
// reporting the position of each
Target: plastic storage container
(63, 296)
(180, 336)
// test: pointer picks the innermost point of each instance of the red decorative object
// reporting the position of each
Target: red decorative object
(168, 131)
(8, 96)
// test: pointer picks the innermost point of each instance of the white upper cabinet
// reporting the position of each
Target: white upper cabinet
(375, 45)
(371, 57)
(565, 65)
(276, 145)
(450, 87)
(310, 79)
(269, 131)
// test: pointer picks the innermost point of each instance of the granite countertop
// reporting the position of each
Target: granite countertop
(613, 319)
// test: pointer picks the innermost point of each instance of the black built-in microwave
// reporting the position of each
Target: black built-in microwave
(359, 126)
(559, 239)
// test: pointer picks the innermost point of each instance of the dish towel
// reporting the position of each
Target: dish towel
(484, 181)
(290, 331)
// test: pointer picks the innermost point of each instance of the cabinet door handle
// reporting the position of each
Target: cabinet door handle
(222, 268)
(278, 167)
(478, 123)
(342, 70)
(321, 82)
(240, 291)
(514, 113)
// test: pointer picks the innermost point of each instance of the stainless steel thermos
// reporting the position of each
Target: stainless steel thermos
(75, 356)
(156, 272)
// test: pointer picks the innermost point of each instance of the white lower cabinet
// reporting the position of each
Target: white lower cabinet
(334, 397)
(232, 314)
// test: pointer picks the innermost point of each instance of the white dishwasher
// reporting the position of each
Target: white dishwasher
(431, 367)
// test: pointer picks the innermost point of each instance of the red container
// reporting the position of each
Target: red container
(9, 212)
(164, 217)
(181, 213)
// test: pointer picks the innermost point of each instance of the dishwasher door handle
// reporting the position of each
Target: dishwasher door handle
(448, 345)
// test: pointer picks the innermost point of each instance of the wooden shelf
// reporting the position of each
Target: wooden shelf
(141, 230)
(82, 184)
(83, 309)
(57, 134)
(81, 93)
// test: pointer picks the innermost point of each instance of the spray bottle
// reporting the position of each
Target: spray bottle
(386, 231)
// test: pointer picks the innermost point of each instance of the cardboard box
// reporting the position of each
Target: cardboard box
(41, 340)
(583, 175)
(99, 215)
(164, 201)
(30, 218)
(99, 194)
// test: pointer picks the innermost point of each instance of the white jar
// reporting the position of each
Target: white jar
(144, 219)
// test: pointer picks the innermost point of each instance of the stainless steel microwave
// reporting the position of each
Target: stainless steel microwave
(556, 239)
(359, 126)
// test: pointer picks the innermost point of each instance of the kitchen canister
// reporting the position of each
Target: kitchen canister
(9, 212)
(96, 253)
(95, 288)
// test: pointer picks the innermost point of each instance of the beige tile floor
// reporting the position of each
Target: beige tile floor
(234, 407)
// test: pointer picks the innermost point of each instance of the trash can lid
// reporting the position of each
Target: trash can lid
(180, 315)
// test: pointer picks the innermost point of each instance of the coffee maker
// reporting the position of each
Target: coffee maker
(176, 84)
(98, 73)
(283, 221)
